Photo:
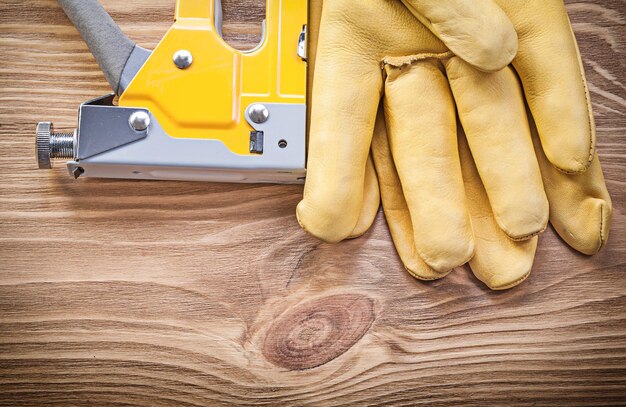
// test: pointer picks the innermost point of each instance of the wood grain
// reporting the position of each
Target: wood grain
(191, 294)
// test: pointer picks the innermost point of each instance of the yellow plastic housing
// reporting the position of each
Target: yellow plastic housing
(209, 98)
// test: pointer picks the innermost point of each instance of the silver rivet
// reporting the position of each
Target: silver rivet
(183, 59)
(258, 113)
(139, 120)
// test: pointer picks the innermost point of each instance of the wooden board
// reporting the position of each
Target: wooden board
(173, 293)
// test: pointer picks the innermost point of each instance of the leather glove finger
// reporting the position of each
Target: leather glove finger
(491, 110)
(580, 205)
(371, 201)
(371, 193)
(550, 68)
(339, 136)
(580, 212)
(498, 261)
(479, 32)
(395, 206)
(422, 136)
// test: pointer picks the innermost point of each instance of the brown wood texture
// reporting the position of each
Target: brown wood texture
(172, 293)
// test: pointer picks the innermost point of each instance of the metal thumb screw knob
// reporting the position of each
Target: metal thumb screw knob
(50, 145)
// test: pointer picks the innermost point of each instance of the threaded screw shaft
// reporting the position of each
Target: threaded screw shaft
(62, 145)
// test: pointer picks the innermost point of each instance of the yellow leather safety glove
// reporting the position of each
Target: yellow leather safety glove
(356, 40)
(580, 206)
(580, 211)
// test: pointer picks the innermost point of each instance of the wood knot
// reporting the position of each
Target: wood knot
(318, 331)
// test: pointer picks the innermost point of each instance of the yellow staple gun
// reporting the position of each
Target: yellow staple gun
(194, 108)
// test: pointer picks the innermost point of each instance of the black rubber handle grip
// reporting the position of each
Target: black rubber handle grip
(108, 44)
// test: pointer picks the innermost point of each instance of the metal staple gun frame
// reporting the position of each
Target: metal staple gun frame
(194, 108)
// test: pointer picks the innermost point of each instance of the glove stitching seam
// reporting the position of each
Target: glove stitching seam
(529, 236)
(512, 284)
(427, 259)
(602, 238)
(588, 100)
(399, 62)
(589, 112)
(423, 278)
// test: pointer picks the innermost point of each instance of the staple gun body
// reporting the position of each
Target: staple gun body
(194, 108)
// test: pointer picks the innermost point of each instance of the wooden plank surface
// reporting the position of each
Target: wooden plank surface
(172, 293)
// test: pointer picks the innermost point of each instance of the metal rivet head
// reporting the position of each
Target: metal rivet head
(139, 121)
(258, 113)
(183, 59)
